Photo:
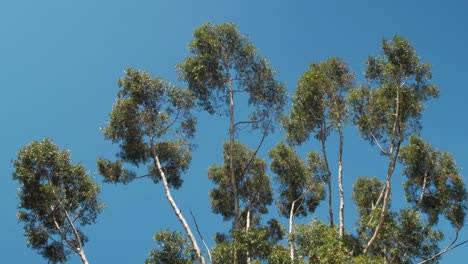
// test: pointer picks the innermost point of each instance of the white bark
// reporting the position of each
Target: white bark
(392, 154)
(291, 222)
(340, 182)
(247, 226)
(178, 212)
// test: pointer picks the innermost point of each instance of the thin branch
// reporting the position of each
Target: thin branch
(199, 233)
(450, 247)
(249, 122)
(378, 144)
(254, 155)
(172, 123)
(75, 231)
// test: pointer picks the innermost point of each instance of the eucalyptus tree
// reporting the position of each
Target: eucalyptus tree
(389, 108)
(254, 188)
(300, 186)
(57, 197)
(224, 64)
(152, 122)
(319, 107)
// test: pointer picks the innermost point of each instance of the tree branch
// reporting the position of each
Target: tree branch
(378, 144)
(450, 247)
(249, 122)
(199, 233)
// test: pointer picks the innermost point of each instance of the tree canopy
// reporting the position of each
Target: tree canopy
(153, 122)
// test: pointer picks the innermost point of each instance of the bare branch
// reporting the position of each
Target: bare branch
(249, 122)
(199, 233)
(378, 144)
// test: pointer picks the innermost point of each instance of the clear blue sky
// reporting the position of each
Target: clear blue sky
(60, 61)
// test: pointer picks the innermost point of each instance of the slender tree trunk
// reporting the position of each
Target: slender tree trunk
(340, 181)
(423, 190)
(247, 226)
(291, 222)
(80, 249)
(177, 211)
(231, 157)
(83, 257)
(324, 151)
(392, 154)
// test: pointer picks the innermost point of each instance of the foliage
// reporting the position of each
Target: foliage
(296, 182)
(319, 103)
(143, 121)
(319, 243)
(251, 179)
(173, 248)
(434, 185)
(260, 243)
(389, 108)
(223, 59)
(55, 195)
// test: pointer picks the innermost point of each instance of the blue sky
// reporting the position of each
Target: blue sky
(60, 61)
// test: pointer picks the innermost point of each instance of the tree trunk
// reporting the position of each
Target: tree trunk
(324, 152)
(83, 257)
(178, 212)
(423, 190)
(340, 181)
(247, 226)
(231, 163)
(291, 222)
(392, 155)
(231, 155)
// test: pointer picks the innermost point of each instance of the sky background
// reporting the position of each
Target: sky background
(60, 61)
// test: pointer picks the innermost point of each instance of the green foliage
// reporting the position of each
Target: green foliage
(223, 58)
(319, 102)
(434, 185)
(260, 243)
(296, 181)
(54, 194)
(252, 181)
(390, 107)
(319, 243)
(173, 248)
(146, 117)
(405, 236)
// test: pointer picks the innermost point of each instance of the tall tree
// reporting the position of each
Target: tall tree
(300, 187)
(320, 106)
(225, 63)
(57, 197)
(152, 121)
(389, 108)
